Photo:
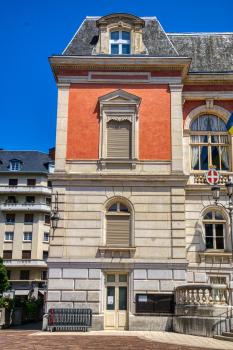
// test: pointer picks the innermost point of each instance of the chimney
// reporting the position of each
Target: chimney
(52, 152)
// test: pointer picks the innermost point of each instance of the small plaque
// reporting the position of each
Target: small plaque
(212, 176)
(142, 298)
(110, 300)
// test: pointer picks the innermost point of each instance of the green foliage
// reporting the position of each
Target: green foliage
(7, 303)
(31, 306)
(14, 200)
(19, 301)
(4, 284)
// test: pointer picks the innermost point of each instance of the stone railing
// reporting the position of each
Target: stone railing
(200, 179)
(201, 294)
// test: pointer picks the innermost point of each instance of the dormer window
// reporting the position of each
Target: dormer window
(15, 165)
(120, 43)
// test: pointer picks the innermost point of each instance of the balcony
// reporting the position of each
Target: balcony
(25, 189)
(26, 207)
(24, 263)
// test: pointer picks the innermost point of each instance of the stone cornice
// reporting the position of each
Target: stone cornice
(203, 95)
(136, 63)
(209, 78)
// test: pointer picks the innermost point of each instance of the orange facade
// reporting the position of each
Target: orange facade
(154, 120)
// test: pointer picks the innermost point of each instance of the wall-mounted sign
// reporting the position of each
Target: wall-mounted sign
(142, 298)
(9, 295)
(212, 176)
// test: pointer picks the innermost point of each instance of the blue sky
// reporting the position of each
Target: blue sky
(33, 30)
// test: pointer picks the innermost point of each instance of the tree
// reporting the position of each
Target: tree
(4, 284)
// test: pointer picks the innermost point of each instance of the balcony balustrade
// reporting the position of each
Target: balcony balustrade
(24, 263)
(26, 207)
(202, 294)
(26, 189)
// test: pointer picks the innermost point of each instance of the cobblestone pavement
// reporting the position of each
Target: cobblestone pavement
(25, 340)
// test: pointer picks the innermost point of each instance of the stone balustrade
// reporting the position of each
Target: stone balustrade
(201, 294)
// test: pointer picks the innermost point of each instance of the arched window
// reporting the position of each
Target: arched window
(209, 142)
(120, 43)
(214, 224)
(118, 225)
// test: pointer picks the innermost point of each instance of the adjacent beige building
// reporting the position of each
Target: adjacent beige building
(25, 196)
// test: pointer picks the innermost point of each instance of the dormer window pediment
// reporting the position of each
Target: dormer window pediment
(120, 34)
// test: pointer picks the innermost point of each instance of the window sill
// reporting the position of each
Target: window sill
(119, 249)
(118, 164)
(46, 242)
(28, 223)
(215, 254)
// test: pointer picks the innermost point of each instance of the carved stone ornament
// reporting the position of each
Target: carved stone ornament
(119, 119)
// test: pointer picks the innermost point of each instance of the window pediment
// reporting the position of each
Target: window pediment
(120, 22)
(119, 97)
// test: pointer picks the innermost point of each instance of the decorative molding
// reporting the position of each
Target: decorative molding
(119, 118)
(203, 95)
(176, 87)
(217, 110)
(209, 103)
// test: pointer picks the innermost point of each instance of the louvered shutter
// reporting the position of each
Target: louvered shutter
(117, 230)
(118, 139)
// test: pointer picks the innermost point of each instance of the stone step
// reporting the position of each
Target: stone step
(221, 337)
(227, 334)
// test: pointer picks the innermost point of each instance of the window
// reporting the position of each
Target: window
(46, 237)
(120, 43)
(217, 294)
(119, 139)
(28, 218)
(8, 274)
(13, 182)
(214, 230)
(31, 182)
(27, 236)
(45, 254)
(48, 200)
(26, 254)
(24, 274)
(30, 199)
(11, 199)
(209, 142)
(10, 218)
(15, 165)
(9, 236)
(47, 219)
(49, 184)
(7, 254)
(155, 303)
(44, 275)
(118, 225)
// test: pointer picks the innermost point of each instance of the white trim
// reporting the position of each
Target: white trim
(203, 95)
(119, 41)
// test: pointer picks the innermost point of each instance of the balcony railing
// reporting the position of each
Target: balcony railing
(202, 294)
(26, 207)
(26, 189)
(24, 263)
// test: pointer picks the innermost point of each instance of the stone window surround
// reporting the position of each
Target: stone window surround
(120, 22)
(130, 207)
(227, 230)
(208, 108)
(119, 105)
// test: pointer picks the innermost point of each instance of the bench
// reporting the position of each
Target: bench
(69, 318)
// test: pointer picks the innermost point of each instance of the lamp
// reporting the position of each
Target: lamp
(54, 216)
(215, 191)
(229, 186)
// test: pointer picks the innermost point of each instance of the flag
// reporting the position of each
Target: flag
(229, 125)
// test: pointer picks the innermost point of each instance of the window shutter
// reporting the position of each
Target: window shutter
(26, 254)
(47, 219)
(117, 230)
(119, 139)
(7, 254)
(31, 182)
(10, 217)
(24, 274)
(13, 182)
(28, 218)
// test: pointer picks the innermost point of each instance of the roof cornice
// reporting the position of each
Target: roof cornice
(119, 63)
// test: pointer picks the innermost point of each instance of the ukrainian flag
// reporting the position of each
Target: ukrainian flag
(229, 125)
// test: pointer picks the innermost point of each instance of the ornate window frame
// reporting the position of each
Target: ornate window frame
(208, 108)
(119, 105)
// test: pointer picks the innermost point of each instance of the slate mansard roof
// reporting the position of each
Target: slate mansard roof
(31, 161)
(210, 52)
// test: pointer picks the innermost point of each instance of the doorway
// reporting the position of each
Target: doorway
(116, 301)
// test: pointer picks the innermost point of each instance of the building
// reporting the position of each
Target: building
(25, 195)
(141, 117)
